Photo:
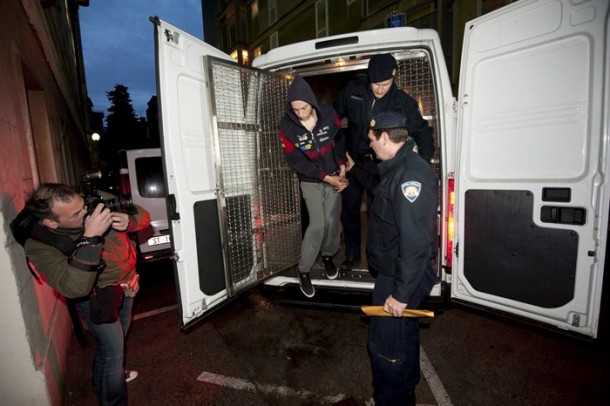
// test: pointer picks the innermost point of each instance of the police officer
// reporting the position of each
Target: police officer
(358, 102)
(401, 252)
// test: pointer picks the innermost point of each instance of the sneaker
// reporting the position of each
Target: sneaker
(329, 266)
(349, 263)
(130, 375)
(305, 284)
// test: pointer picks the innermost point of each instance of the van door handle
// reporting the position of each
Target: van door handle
(563, 215)
(171, 207)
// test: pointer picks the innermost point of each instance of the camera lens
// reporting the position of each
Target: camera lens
(119, 204)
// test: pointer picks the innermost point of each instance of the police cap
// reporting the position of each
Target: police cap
(388, 119)
(382, 67)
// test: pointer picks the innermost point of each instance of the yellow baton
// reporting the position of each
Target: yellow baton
(378, 311)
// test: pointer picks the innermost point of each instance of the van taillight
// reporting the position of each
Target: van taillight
(124, 185)
(450, 219)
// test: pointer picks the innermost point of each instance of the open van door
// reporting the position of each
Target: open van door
(532, 192)
(233, 203)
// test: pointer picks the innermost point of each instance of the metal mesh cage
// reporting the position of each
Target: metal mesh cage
(258, 193)
(416, 79)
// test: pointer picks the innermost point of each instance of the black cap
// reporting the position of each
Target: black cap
(382, 67)
(388, 119)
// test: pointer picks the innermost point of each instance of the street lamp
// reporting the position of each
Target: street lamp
(94, 149)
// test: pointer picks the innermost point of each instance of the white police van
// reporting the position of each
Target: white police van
(522, 154)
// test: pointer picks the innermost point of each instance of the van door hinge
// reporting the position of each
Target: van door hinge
(457, 250)
(171, 36)
(452, 107)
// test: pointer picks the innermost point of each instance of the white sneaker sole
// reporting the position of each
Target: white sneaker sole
(130, 376)
(333, 277)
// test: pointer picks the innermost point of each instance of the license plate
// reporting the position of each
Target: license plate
(162, 239)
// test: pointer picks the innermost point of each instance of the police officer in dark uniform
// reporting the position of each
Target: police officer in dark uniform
(360, 100)
(402, 247)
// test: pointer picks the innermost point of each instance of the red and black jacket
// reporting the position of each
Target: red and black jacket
(312, 155)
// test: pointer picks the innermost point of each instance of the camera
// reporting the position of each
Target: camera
(89, 185)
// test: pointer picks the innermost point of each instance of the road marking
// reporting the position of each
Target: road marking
(240, 384)
(154, 312)
(434, 382)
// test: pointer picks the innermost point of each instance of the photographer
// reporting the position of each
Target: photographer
(100, 272)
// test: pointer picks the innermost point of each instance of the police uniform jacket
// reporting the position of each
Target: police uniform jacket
(357, 102)
(402, 235)
(311, 154)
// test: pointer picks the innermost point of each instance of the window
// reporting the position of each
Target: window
(273, 42)
(321, 20)
(258, 51)
(373, 6)
(149, 173)
(272, 11)
(245, 60)
(254, 9)
(232, 33)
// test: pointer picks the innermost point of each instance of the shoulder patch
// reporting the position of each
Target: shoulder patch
(411, 190)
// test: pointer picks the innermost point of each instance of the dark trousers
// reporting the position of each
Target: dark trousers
(394, 347)
(351, 201)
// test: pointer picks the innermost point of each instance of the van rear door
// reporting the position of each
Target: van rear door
(531, 186)
(233, 202)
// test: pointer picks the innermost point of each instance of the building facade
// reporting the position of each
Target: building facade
(44, 135)
(246, 29)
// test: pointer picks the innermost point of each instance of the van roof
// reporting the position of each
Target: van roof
(345, 45)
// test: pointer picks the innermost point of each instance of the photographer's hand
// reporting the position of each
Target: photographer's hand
(97, 222)
(120, 221)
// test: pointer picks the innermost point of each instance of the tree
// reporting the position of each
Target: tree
(123, 129)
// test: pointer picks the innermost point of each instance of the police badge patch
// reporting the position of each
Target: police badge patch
(411, 190)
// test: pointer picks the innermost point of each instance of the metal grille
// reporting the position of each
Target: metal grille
(415, 77)
(258, 193)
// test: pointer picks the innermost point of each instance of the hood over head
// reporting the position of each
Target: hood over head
(300, 90)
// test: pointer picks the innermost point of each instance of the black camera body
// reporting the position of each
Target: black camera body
(93, 198)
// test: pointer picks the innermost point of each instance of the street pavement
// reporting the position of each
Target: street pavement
(259, 350)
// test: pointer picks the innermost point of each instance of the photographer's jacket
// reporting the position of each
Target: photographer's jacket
(312, 155)
(118, 252)
(402, 238)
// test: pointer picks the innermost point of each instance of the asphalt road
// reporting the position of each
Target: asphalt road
(259, 351)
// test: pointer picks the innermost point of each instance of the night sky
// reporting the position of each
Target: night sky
(118, 45)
